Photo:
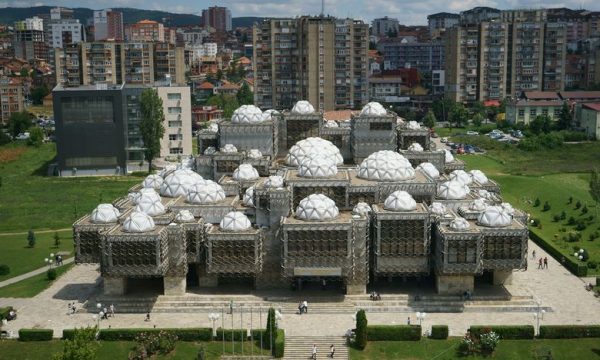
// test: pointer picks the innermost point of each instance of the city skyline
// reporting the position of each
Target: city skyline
(408, 13)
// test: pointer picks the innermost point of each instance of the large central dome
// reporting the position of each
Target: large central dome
(317, 207)
(178, 182)
(205, 192)
(386, 165)
(311, 148)
(452, 190)
(247, 114)
(318, 167)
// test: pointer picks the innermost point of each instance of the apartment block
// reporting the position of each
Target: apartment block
(555, 52)
(410, 53)
(382, 26)
(108, 24)
(11, 98)
(217, 17)
(145, 30)
(30, 44)
(177, 108)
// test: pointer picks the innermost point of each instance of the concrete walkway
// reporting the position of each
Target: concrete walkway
(30, 274)
(36, 231)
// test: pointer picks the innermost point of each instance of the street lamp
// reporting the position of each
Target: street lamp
(97, 320)
(49, 260)
(213, 317)
(421, 317)
(539, 315)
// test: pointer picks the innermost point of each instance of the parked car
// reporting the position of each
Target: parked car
(22, 136)
(472, 132)
(444, 140)
(450, 143)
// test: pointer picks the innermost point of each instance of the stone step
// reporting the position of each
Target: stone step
(300, 347)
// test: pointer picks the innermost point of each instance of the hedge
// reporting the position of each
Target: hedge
(237, 334)
(569, 331)
(279, 348)
(36, 334)
(439, 332)
(393, 332)
(573, 266)
(506, 332)
(183, 334)
(4, 312)
(68, 334)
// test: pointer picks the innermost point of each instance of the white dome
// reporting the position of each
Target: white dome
(494, 216)
(212, 127)
(448, 157)
(459, 224)
(482, 193)
(248, 199)
(478, 205)
(452, 190)
(254, 154)
(235, 221)
(362, 208)
(318, 167)
(331, 124)
(153, 181)
(429, 169)
(461, 176)
(104, 214)
(205, 192)
(229, 148)
(373, 109)
(479, 176)
(274, 181)
(184, 216)
(313, 147)
(138, 222)
(245, 172)
(386, 165)
(317, 207)
(413, 125)
(149, 192)
(179, 182)
(415, 147)
(438, 208)
(400, 201)
(150, 204)
(187, 163)
(247, 114)
(268, 114)
(210, 150)
(166, 170)
(508, 208)
(303, 107)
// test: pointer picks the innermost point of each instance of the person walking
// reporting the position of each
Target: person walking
(541, 263)
(314, 352)
(331, 351)
(112, 310)
(545, 262)
(305, 306)
(533, 254)
(408, 321)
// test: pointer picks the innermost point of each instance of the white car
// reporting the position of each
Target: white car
(22, 136)
(472, 133)
(444, 139)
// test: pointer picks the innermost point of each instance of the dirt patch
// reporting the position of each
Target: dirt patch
(10, 154)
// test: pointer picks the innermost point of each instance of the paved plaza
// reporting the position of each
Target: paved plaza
(554, 287)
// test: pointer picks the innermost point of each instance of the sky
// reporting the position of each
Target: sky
(408, 12)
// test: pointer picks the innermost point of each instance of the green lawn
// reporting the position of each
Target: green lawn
(109, 350)
(507, 349)
(32, 286)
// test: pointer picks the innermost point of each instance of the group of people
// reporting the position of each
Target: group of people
(108, 312)
(71, 309)
(303, 307)
(375, 295)
(58, 260)
(314, 351)
(542, 262)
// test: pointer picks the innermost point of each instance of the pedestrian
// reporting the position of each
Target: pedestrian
(305, 306)
(545, 262)
(105, 311)
(541, 263)
(331, 351)
(147, 317)
(73, 309)
(231, 306)
(408, 321)
(533, 254)
(300, 308)
(112, 310)
(314, 351)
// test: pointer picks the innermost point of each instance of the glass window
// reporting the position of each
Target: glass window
(174, 96)
(88, 109)
(174, 110)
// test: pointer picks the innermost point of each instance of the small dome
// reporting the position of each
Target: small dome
(459, 224)
(166, 170)
(268, 114)
(210, 150)
(362, 208)
(248, 199)
(461, 176)
(386, 165)
(247, 114)
(153, 181)
(429, 169)
(508, 208)
(400, 201)
(254, 154)
(235, 221)
(245, 172)
(415, 147)
(229, 148)
(482, 193)
(179, 182)
(317, 207)
(205, 192)
(452, 190)
(148, 192)
(138, 222)
(494, 216)
(274, 181)
(373, 109)
(318, 167)
(105, 214)
(479, 176)
(303, 107)
(438, 208)
(184, 216)
(213, 127)
(187, 163)
(413, 125)
(478, 205)
(313, 147)
(150, 204)
(331, 124)
(448, 157)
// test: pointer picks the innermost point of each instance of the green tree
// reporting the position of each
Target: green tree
(477, 120)
(151, 126)
(56, 239)
(595, 188)
(244, 95)
(429, 119)
(442, 108)
(83, 346)
(541, 124)
(219, 75)
(31, 238)
(478, 108)
(564, 118)
(271, 330)
(227, 103)
(361, 329)
(4, 138)
(18, 123)
(38, 94)
(24, 72)
(36, 136)
(459, 115)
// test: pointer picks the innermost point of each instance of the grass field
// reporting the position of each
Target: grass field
(32, 286)
(507, 349)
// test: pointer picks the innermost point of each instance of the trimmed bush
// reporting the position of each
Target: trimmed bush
(4, 312)
(68, 334)
(506, 332)
(574, 267)
(361, 329)
(439, 332)
(279, 347)
(394, 332)
(237, 334)
(191, 334)
(569, 331)
(51, 274)
(4, 269)
(597, 280)
(36, 334)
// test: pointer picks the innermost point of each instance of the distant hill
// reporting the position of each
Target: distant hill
(10, 14)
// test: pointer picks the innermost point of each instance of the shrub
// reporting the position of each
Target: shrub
(394, 332)
(51, 274)
(537, 202)
(580, 226)
(4, 269)
(592, 264)
(439, 332)
(556, 217)
(271, 329)
(4, 312)
(68, 334)
(584, 209)
(279, 348)
(81, 344)
(571, 221)
(148, 344)
(563, 215)
(31, 238)
(36, 334)
(569, 331)
(573, 236)
(546, 206)
(593, 236)
(598, 281)
(236, 334)
(573, 135)
(570, 200)
(506, 332)
(361, 329)
(187, 334)
(488, 342)
(577, 204)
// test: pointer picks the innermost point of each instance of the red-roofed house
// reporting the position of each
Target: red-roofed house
(227, 88)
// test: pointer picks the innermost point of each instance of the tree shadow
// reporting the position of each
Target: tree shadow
(42, 170)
